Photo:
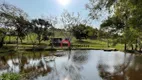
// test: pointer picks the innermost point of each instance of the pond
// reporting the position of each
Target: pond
(74, 65)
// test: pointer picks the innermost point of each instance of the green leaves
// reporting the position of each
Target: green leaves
(125, 21)
(97, 7)
(114, 24)
(82, 31)
(10, 76)
(40, 27)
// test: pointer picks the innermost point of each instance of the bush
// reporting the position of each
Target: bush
(10, 76)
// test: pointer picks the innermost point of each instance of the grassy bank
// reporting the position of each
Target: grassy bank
(76, 45)
(82, 45)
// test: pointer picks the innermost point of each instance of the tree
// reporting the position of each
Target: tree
(112, 26)
(22, 26)
(2, 36)
(126, 15)
(40, 27)
(82, 31)
(13, 17)
(97, 7)
(51, 33)
(70, 20)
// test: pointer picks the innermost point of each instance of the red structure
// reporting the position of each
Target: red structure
(65, 41)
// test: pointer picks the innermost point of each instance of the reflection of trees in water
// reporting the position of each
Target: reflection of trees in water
(80, 57)
(74, 67)
(72, 72)
(34, 67)
(32, 72)
(71, 69)
(135, 71)
(31, 66)
(121, 71)
(54, 74)
(3, 63)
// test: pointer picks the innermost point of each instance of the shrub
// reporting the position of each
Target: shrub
(10, 76)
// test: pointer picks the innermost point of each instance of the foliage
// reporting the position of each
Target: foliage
(69, 20)
(40, 27)
(97, 7)
(113, 24)
(83, 32)
(2, 36)
(10, 76)
(125, 19)
(13, 18)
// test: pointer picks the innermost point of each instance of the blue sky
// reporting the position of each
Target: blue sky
(37, 8)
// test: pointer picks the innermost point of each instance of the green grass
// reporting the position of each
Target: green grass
(10, 76)
(119, 47)
(97, 44)
(93, 44)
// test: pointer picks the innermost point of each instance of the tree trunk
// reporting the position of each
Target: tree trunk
(39, 39)
(80, 39)
(39, 42)
(33, 42)
(140, 49)
(17, 43)
(136, 46)
(125, 47)
(27, 38)
(108, 43)
(132, 47)
(21, 40)
(52, 45)
(9, 38)
(2, 42)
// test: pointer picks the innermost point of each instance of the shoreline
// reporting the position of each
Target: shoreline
(66, 49)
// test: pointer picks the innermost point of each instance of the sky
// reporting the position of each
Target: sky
(38, 8)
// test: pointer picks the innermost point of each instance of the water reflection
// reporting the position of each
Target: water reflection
(31, 65)
(80, 57)
(71, 68)
(119, 70)
(74, 65)
(129, 69)
(3, 63)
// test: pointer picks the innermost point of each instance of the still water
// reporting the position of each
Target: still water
(74, 65)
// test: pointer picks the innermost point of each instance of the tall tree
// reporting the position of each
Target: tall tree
(11, 16)
(40, 27)
(82, 31)
(125, 11)
(70, 20)
(54, 22)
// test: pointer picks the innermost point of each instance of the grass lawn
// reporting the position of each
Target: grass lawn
(93, 44)
(97, 44)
